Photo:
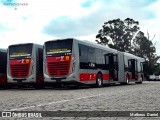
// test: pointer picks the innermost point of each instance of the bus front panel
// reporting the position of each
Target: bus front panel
(20, 63)
(58, 60)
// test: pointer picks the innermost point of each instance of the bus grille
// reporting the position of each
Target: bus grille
(20, 71)
(58, 68)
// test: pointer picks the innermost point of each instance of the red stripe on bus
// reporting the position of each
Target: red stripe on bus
(88, 77)
(130, 76)
(92, 77)
(105, 76)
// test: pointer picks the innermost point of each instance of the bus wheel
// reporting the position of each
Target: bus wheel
(99, 81)
(127, 80)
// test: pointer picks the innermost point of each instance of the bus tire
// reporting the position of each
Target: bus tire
(99, 81)
(127, 80)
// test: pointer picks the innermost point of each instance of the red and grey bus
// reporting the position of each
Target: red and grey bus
(3, 66)
(71, 60)
(25, 64)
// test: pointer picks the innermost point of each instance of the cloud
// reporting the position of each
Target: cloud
(7, 1)
(88, 3)
(71, 27)
(2, 27)
(65, 26)
(42, 20)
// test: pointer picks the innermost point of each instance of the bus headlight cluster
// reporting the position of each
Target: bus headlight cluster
(32, 67)
(73, 64)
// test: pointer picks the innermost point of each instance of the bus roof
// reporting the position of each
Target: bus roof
(23, 44)
(97, 45)
(89, 43)
(133, 56)
(58, 40)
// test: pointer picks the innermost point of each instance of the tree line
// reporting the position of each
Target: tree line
(125, 36)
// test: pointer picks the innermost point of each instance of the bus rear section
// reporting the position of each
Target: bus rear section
(25, 63)
(133, 71)
(3, 66)
(59, 61)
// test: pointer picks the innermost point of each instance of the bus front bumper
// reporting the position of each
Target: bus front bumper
(69, 78)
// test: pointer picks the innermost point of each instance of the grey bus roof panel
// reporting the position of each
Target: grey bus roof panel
(24, 44)
(85, 42)
(58, 40)
(97, 45)
(133, 56)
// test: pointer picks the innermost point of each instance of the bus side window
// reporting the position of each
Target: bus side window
(104, 60)
(129, 66)
(141, 64)
(115, 62)
(79, 51)
(83, 56)
(125, 64)
(99, 58)
(91, 55)
(83, 53)
(139, 67)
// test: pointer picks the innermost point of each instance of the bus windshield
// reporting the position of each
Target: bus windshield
(60, 47)
(24, 50)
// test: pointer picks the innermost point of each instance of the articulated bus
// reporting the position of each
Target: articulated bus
(71, 60)
(25, 64)
(3, 65)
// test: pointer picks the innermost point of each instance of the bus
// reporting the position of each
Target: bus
(3, 65)
(74, 61)
(25, 64)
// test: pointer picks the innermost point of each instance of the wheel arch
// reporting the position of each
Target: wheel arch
(99, 72)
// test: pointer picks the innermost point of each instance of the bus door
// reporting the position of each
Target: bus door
(132, 63)
(111, 62)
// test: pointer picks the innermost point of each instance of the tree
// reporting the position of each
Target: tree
(157, 69)
(126, 37)
(119, 32)
(143, 47)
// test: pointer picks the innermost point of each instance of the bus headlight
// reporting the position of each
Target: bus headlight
(32, 67)
(73, 67)
(73, 64)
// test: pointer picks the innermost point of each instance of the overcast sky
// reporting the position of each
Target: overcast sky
(43, 20)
